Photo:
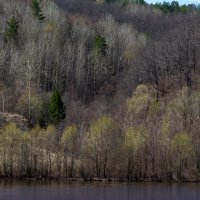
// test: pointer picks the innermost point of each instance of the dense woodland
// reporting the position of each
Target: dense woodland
(111, 89)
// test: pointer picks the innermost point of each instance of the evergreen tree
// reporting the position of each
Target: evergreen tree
(37, 12)
(99, 44)
(11, 29)
(141, 2)
(56, 108)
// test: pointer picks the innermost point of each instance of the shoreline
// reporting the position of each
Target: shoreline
(95, 180)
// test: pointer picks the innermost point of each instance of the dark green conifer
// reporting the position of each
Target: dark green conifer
(37, 12)
(56, 108)
(11, 29)
(99, 44)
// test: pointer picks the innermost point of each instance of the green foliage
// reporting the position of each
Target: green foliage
(11, 133)
(103, 134)
(70, 139)
(138, 104)
(43, 115)
(183, 150)
(102, 142)
(141, 2)
(11, 29)
(56, 108)
(34, 104)
(103, 130)
(168, 7)
(174, 6)
(183, 8)
(106, 1)
(125, 2)
(181, 111)
(37, 12)
(99, 44)
(182, 145)
(48, 133)
(154, 108)
(135, 138)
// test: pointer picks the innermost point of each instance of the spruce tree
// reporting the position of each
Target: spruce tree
(37, 12)
(56, 108)
(99, 44)
(11, 29)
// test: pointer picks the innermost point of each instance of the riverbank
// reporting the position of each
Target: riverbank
(98, 180)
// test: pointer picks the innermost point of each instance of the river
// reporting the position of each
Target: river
(27, 190)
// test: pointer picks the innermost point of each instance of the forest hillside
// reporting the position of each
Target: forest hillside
(110, 89)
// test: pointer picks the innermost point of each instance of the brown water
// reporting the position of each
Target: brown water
(26, 190)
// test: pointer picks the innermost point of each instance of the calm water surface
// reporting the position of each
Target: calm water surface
(25, 190)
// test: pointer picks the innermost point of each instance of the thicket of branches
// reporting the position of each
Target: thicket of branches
(129, 81)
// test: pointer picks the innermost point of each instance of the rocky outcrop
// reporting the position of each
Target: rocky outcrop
(19, 120)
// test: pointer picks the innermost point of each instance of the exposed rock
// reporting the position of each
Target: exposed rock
(20, 121)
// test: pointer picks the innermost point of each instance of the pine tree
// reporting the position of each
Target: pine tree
(11, 29)
(99, 44)
(37, 12)
(56, 108)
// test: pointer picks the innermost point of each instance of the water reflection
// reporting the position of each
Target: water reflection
(35, 190)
